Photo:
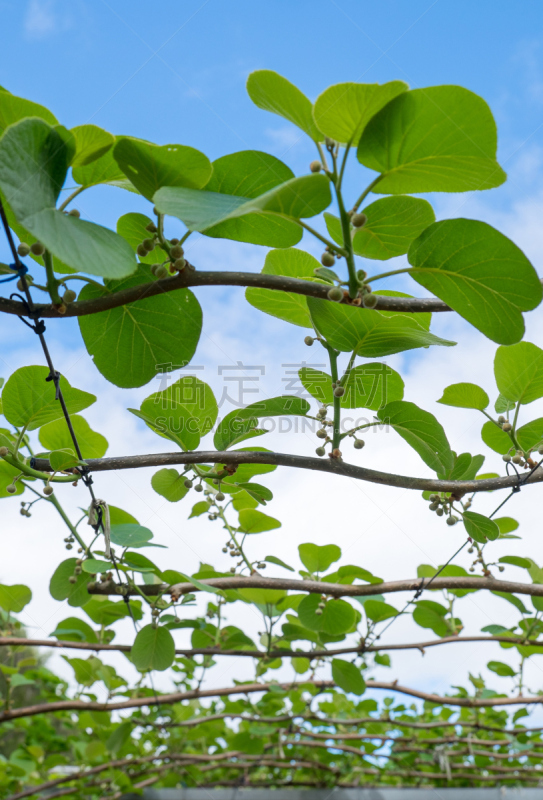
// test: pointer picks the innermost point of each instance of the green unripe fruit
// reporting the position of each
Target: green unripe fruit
(452, 520)
(506, 457)
(339, 391)
(439, 512)
(318, 612)
(154, 268)
(540, 449)
(358, 444)
(69, 296)
(321, 413)
(47, 490)
(23, 249)
(3, 451)
(77, 571)
(151, 227)
(327, 259)
(369, 300)
(329, 142)
(149, 244)
(174, 241)
(73, 212)
(335, 294)
(517, 459)
(361, 274)
(161, 272)
(37, 249)
(321, 434)
(315, 166)
(501, 420)
(506, 426)
(141, 250)
(320, 451)
(11, 489)
(177, 251)
(433, 506)
(433, 497)
(220, 497)
(179, 264)
(72, 578)
(309, 340)
(359, 220)
(199, 488)
(188, 483)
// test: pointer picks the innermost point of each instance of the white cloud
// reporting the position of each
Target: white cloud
(43, 18)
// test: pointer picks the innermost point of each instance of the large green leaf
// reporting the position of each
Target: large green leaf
(422, 431)
(130, 535)
(184, 412)
(253, 521)
(91, 143)
(13, 109)
(465, 395)
(348, 676)
(480, 527)
(29, 401)
(149, 166)
(129, 343)
(56, 436)
(14, 598)
(429, 614)
(170, 484)
(371, 385)
(528, 436)
(103, 170)
(292, 263)
(266, 214)
(438, 139)
(519, 372)
(272, 92)
(74, 629)
(237, 424)
(370, 333)
(342, 111)
(153, 648)
(480, 273)
(317, 558)
(133, 228)
(61, 588)
(337, 617)
(378, 611)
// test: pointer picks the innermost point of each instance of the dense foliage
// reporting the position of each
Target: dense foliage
(137, 313)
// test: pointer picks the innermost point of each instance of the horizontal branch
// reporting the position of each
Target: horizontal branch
(333, 466)
(321, 587)
(251, 688)
(13, 641)
(190, 279)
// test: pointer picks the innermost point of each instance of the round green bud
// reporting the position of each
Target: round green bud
(361, 274)
(149, 244)
(69, 296)
(433, 506)
(501, 420)
(540, 449)
(501, 568)
(318, 612)
(188, 483)
(359, 220)
(339, 391)
(23, 249)
(335, 294)
(369, 300)
(77, 571)
(506, 457)
(73, 212)
(507, 426)
(321, 434)
(37, 249)
(11, 489)
(151, 227)
(433, 497)
(315, 166)
(321, 413)
(309, 340)
(439, 512)
(179, 264)
(47, 490)
(327, 259)
(72, 578)
(4, 451)
(452, 520)
(517, 459)
(232, 570)
(154, 268)
(141, 250)
(358, 444)
(174, 241)
(219, 497)
(329, 142)
(199, 488)
(320, 451)
(177, 251)
(161, 272)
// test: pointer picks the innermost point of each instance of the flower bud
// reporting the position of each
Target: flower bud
(73, 212)
(369, 300)
(11, 489)
(37, 249)
(321, 434)
(358, 444)
(3, 451)
(309, 340)
(327, 259)
(151, 227)
(507, 426)
(69, 296)
(23, 249)
(320, 451)
(335, 294)
(141, 250)
(48, 490)
(219, 497)
(339, 391)
(359, 220)
(177, 251)
(179, 264)
(315, 166)
(149, 244)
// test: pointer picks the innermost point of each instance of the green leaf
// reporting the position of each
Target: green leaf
(291, 307)
(140, 563)
(465, 395)
(506, 524)
(34, 159)
(133, 228)
(393, 223)
(129, 343)
(275, 560)
(150, 166)
(372, 334)
(436, 139)
(480, 527)
(495, 438)
(371, 385)
(103, 170)
(91, 143)
(73, 629)
(120, 736)
(14, 598)
(429, 614)
(421, 431)
(255, 490)
(62, 460)
(199, 508)
(501, 669)
(502, 405)
(169, 484)
(119, 517)
(348, 676)
(337, 617)
(56, 436)
(516, 561)
(515, 601)
(184, 412)
(478, 272)
(253, 521)
(519, 372)
(153, 648)
(104, 612)
(378, 611)
(29, 401)
(317, 558)
(95, 566)
(342, 111)
(130, 535)
(272, 92)
(235, 425)
(296, 198)
(13, 109)
(60, 587)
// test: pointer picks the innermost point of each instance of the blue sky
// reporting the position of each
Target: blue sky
(175, 72)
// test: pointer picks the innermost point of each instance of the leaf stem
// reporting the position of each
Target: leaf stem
(366, 192)
(71, 197)
(354, 285)
(336, 436)
(52, 282)
(233, 537)
(335, 247)
(379, 277)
